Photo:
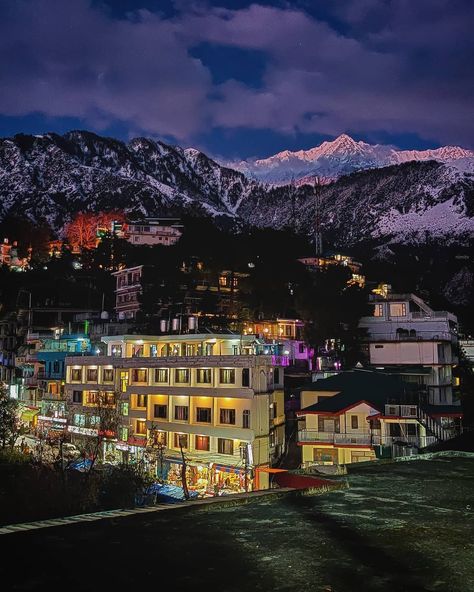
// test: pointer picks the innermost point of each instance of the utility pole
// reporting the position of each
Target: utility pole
(245, 458)
(183, 468)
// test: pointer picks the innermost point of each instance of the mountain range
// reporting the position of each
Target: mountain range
(342, 156)
(52, 177)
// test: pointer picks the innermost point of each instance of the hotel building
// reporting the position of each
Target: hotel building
(218, 396)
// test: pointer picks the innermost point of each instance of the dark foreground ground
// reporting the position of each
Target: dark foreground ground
(403, 527)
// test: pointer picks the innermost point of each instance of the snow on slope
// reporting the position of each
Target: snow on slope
(342, 156)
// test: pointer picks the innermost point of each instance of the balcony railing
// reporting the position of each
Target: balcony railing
(364, 439)
(334, 438)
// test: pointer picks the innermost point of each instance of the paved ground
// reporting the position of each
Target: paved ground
(398, 528)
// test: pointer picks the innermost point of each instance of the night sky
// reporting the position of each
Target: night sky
(240, 79)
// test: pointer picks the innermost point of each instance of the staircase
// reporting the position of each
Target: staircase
(433, 426)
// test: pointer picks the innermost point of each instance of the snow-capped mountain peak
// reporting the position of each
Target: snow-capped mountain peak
(344, 155)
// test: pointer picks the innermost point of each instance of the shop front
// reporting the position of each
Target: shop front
(229, 479)
(197, 474)
(29, 416)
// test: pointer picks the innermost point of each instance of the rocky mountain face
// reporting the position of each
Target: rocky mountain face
(342, 156)
(52, 177)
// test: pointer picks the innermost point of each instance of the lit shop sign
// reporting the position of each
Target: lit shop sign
(55, 419)
(82, 431)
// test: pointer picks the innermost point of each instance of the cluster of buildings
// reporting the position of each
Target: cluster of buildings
(217, 400)
(9, 256)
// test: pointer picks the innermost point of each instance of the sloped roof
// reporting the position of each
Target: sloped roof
(358, 386)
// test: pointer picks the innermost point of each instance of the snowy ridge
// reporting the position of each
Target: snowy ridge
(344, 155)
(53, 177)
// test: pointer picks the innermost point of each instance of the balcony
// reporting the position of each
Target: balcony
(334, 438)
(313, 436)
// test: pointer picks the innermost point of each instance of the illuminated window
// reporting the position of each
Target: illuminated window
(227, 376)
(398, 309)
(227, 416)
(180, 440)
(378, 310)
(181, 412)
(108, 375)
(202, 443)
(246, 418)
(161, 375)
(225, 446)
(181, 375)
(76, 374)
(140, 427)
(139, 375)
(141, 401)
(204, 376)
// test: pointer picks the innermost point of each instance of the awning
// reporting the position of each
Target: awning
(270, 470)
(226, 469)
(29, 414)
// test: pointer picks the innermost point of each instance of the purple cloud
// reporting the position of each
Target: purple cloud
(400, 66)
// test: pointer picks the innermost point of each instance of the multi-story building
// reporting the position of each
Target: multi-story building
(154, 231)
(361, 415)
(405, 336)
(128, 291)
(219, 397)
(288, 333)
(9, 256)
(319, 263)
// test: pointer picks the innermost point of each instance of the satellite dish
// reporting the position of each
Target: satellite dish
(104, 315)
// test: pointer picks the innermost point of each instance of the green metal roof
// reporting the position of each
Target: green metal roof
(354, 386)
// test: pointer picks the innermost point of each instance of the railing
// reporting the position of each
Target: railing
(420, 336)
(364, 439)
(433, 426)
(334, 438)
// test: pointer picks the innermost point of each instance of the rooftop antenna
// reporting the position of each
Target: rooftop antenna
(318, 235)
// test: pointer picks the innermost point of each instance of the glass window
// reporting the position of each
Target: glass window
(276, 376)
(398, 309)
(161, 411)
(124, 408)
(117, 351)
(354, 422)
(123, 434)
(139, 375)
(225, 446)
(108, 374)
(227, 416)
(378, 310)
(161, 375)
(91, 397)
(227, 376)
(203, 375)
(77, 397)
(153, 350)
(181, 412)
(181, 375)
(246, 418)
(181, 440)
(76, 374)
(79, 420)
(245, 376)
(141, 427)
(123, 381)
(92, 374)
(141, 401)
(203, 414)
(202, 443)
